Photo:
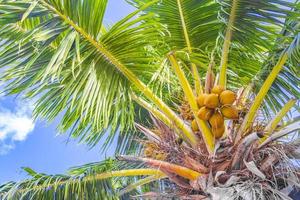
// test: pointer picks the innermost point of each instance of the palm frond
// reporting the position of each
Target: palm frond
(53, 62)
(257, 31)
(101, 180)
(284, 87)
(191, 26)
(255, 28)
(200, 22)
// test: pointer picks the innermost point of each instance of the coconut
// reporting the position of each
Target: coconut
(200, 99)
(211, 101)
(218, 132)
(218, 89)
(227, 97)
(216, 120)
(205, 113)
(230, 112)
(194, 126)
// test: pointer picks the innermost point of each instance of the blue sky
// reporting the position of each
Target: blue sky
(24, 143)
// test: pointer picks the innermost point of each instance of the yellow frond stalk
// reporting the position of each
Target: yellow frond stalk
(262, 93)
(205, 131)
(195, 73)
(165, 166)
(101, 176)
(227, 43)
(184, 172)
(273, 124)
(126, 172)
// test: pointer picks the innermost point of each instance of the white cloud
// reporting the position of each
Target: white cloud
(15, 125)
(5, 148)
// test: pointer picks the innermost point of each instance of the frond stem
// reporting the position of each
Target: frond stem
(196, 77)
(205, 131)
(101, 176)
(261, 95)
(227, 43)
(170, 167)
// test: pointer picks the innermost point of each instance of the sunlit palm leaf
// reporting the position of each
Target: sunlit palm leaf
(256, 28)
(71, 74)
(284, 86)
(262, 31)
(196, 28)
(84, 182)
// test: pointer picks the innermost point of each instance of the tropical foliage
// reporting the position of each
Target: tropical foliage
(142, 80)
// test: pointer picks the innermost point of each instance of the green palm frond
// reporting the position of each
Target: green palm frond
(270, 44)
(256, 28)
(100, 80)
(53, 62)
(191, 26)
(63, 67)
(91, 181)
(42, 186)
(285, 86)
(261, 32)
(199, 20)
(250, 27)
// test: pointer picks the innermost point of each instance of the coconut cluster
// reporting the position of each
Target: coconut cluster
(215, 108)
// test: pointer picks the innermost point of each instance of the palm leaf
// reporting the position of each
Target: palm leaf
(72, 74)
(256, 28)
(100, 180)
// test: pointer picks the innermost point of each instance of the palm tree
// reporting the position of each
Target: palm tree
(162, 80)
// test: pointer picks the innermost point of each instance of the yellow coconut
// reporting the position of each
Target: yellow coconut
(205, 113)
(216, 120)
(200, 99)
(218, 89)
(194, 126)
(211, 101)
(227, 97)
(230, 112)
(218, 132)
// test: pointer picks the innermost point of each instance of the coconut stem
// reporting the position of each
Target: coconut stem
(193, 164)
(210, 77)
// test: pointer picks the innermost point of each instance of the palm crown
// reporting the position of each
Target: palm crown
(160, 59)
